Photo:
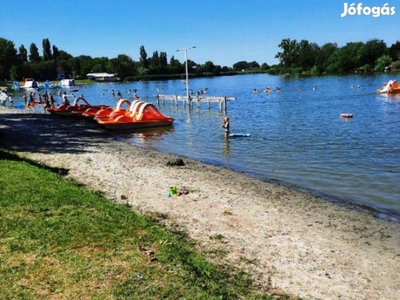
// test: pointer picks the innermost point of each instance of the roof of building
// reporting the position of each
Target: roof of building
(100, 75)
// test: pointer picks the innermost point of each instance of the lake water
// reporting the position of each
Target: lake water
(297, 135)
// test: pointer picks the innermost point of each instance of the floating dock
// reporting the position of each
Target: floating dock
(198, 100)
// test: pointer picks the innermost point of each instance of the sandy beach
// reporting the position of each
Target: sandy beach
(291, 242)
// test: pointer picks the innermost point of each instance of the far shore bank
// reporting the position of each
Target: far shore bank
(292, 242)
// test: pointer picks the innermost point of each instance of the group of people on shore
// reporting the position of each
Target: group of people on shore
(47, 99)
(4, 97)
(33, 99)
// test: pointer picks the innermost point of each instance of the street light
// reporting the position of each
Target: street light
(187, 72)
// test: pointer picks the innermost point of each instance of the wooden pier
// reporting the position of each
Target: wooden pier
(198, 100)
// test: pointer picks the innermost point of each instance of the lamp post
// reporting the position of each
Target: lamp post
(187, 72)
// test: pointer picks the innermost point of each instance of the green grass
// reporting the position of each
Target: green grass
(58, 240)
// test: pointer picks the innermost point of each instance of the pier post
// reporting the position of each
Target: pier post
(225, 108)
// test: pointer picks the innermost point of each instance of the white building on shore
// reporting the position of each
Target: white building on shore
(102, 77)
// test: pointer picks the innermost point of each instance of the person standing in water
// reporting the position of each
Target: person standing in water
(226, 126)
(65, 99)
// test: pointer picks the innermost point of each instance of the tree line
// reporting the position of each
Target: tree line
(295, 57)
(309, 58)
(23, 63)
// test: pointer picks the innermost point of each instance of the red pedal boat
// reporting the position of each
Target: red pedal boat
(140, 115)
(74, 110)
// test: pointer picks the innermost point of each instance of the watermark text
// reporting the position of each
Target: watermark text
(360, 10)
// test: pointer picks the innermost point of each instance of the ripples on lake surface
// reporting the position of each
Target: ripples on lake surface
(297, 137)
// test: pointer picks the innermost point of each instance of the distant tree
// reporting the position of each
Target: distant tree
(142, 71)
(123, 65)
(56, 53)
(346, 59)
(253, 65)
(46, 49)
(155, 61)
(31, 70)
(307, 54)
(83, 64)
(143, 58)
(225, 69)
(396, 65)
(290, 52)
(23, 53)
(371, 51)
(264, 67)
(175, 67)
(64, 64)
(34, 53)
(8, 58)
(47, 70)
(101, 64)
(192, 66)
(159, 63)
(209, 67)
(174, 62)
(64, 55)
(244, 65)
(241, 65)
(97, 67)
(394, 51)
(383, 62)
(322, 57)
(76, 66)
(13, 73)
(64, 68)
(163, 59)
(217, 70)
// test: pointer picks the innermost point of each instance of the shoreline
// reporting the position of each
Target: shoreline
(344, 202)
(292, 243)
(348, 203)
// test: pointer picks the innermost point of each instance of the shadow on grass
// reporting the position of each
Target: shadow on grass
(4, 155)
(44, 133)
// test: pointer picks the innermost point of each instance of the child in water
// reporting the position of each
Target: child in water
(226, 126)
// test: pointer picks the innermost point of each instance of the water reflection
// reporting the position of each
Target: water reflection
(144, 136)
(226, 149)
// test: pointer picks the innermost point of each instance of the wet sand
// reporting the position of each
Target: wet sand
(292, 243)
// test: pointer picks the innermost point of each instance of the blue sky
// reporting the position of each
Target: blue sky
(223, 31)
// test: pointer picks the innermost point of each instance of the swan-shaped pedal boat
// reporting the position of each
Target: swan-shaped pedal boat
(389, 88)
(139, 115)
(106, 110)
